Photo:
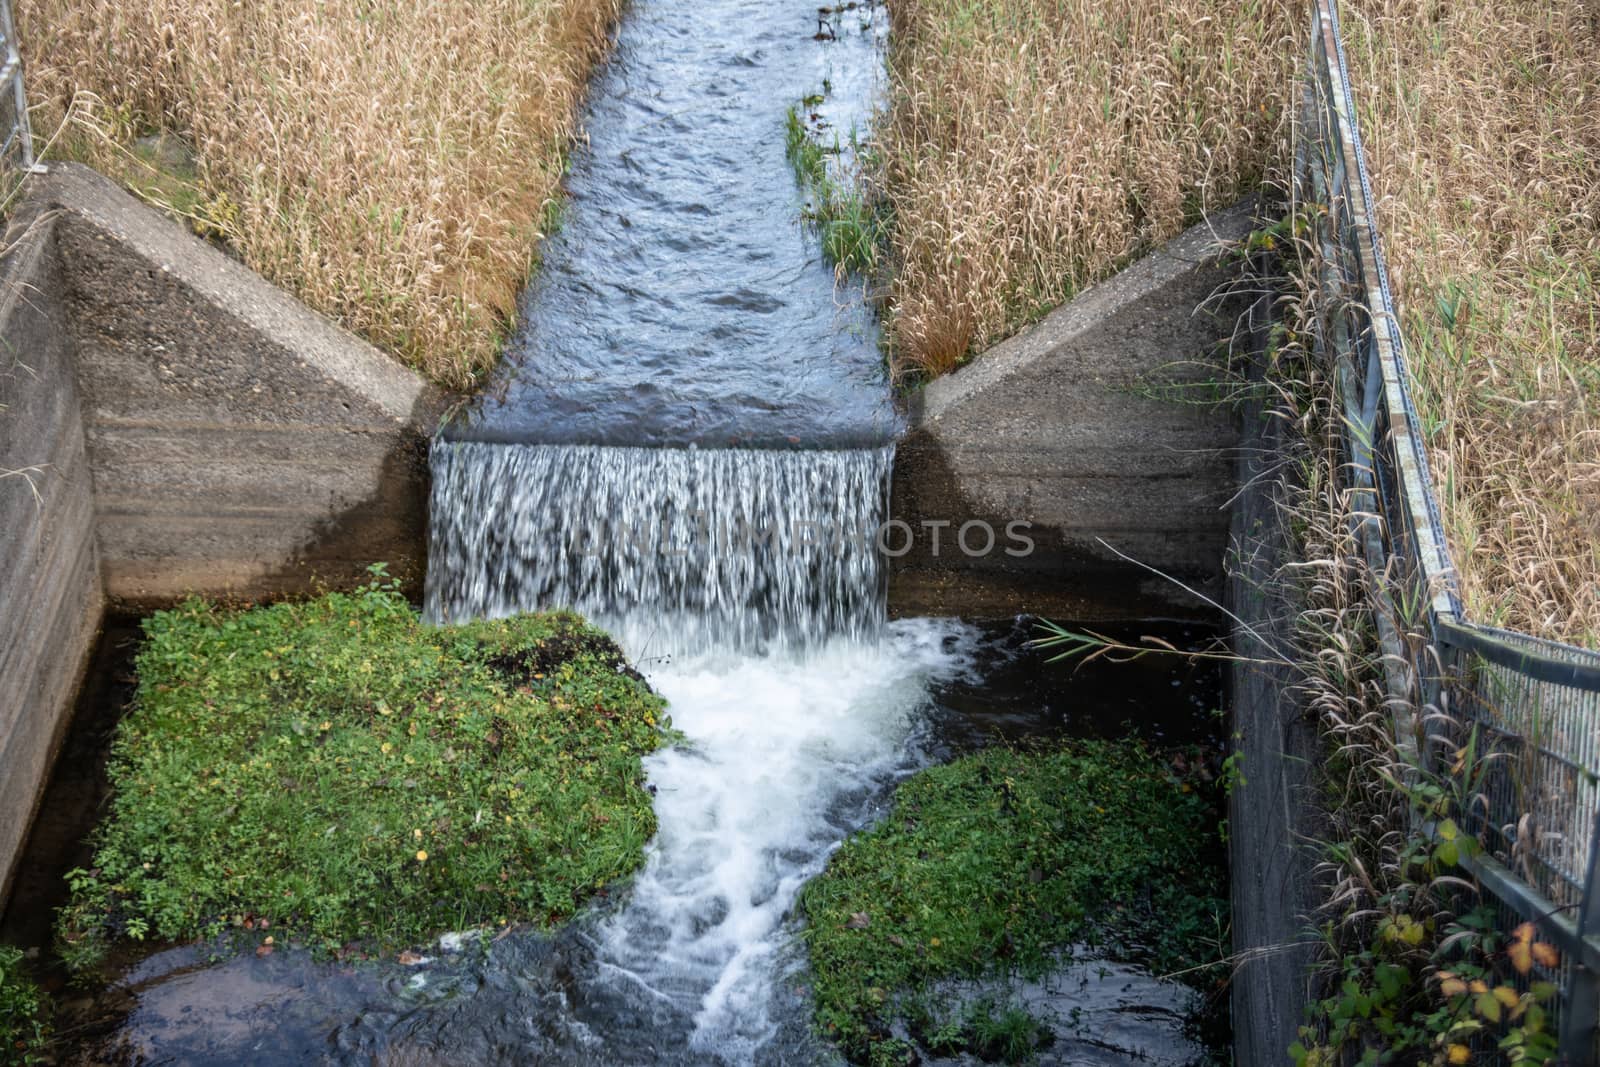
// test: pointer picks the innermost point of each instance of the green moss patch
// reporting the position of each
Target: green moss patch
(992, 864)
(339, 771)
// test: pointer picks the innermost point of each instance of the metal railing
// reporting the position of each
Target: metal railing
(18, 144)
(1530, 708)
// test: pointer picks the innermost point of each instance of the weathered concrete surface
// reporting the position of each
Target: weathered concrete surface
(188, 428)
(1072, 426)
(50, 598)
(1271, 816)
(241, 444)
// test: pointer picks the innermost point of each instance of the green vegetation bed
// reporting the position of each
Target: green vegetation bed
(992, 865)
(339, 771)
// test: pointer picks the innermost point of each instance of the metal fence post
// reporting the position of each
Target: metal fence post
(19, 138)
(1582, 1007)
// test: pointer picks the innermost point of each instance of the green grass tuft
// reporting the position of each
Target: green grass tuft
(348, 773)
(852, 230)
(989, 866)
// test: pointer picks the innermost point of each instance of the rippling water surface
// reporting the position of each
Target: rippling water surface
(682, 299)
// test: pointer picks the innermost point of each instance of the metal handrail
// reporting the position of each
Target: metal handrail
(1541, 698)
(19, 137)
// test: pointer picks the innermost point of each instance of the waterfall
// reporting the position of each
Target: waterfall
(748, 586)
(678, 550)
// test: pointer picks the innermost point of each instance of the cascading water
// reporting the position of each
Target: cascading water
(676, 550)
(691, 446)
(748, 586)
(683, 307)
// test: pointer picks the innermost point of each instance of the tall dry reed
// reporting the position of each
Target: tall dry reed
(1482, 124)
(1031, 148)
(390, 161)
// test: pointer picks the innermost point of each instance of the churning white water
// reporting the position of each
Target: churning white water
(786, 754)
(746, 586)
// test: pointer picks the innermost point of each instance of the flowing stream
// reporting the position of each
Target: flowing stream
(691, 444)
(746, 586)
(682, 301)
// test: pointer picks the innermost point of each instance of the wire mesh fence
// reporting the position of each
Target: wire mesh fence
(1525, 711)
(18, 138)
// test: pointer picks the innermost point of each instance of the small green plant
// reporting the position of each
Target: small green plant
(338, 771)
(1005, 1033)
(805, 154)
(24, 1012)
(1441, 992)
(851, 229)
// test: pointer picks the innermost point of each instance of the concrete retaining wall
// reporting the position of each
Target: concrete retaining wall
(1072, 427)
(198, 431)
(1271, 817)
(50, 598)
(240, 443)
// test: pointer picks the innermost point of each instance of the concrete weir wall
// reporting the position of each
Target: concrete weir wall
(1091, 425)
(50, 599)
(240, 443)
(1272, 814)
(182, 427)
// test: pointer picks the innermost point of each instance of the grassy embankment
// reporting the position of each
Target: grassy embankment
(1030, 149)
(336, 771)
(392, 164)
(1482, 127)
(1474, 119)
(1415, 966)
(991, 866)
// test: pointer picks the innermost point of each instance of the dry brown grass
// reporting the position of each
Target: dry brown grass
(1482, 124)
(1031, 148)
(390, 161)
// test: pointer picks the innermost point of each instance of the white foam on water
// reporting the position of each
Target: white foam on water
(796, 699)
(784, 755)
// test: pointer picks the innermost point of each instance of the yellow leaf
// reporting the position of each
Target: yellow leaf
(1521, 956)
(1545, 954)
(1506, 995)
(1452, 987)
(1460, 1054)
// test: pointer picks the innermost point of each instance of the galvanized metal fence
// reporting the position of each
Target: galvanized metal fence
(18, 145)
(1529, 709)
